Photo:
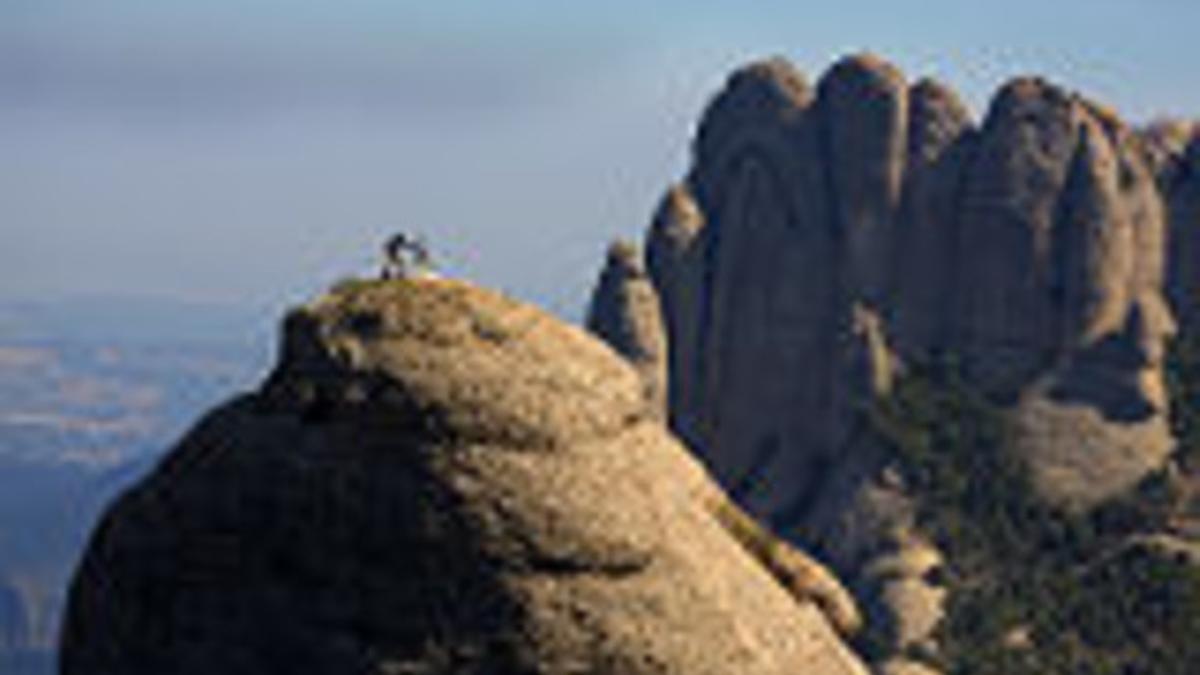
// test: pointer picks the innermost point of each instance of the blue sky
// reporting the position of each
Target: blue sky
(254, 151)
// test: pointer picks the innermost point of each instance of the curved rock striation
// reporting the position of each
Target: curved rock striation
(437, 479)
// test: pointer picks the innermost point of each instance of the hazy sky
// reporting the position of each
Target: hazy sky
(253, 151)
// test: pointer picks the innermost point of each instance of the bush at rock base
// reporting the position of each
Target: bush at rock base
(1034, 589)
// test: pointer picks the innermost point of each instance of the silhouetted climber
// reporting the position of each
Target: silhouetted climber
(406, 257)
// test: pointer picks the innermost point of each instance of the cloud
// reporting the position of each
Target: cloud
(200, 82)
(262, 56)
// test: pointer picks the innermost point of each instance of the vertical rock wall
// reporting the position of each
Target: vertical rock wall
(1032, 249)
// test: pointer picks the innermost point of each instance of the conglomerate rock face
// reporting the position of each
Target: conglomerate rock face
(1035, 250)
(1032, 248)
(436, 479)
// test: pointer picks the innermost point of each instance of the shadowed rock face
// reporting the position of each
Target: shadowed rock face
(825, 238)
(674, 261)
(864, 123)
(940, 140)
(436, 479)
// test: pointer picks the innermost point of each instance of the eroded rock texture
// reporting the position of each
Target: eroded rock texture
(625, 313)
(437, 479)
(827, 236)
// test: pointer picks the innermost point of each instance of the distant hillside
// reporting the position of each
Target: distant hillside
(91, 392)
(125, 319)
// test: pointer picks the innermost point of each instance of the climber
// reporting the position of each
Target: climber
(406, 257)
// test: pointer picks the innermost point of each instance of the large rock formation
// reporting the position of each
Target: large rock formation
(1032, 249)
(436, 479)
(673, 260)
(825, 237)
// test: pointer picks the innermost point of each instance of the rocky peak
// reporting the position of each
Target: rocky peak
(675, 226)
(438, 479)
(466, 358)
(1166, 143)
(770, 89)
(625, 313)
(1030, 247)
(937, 118)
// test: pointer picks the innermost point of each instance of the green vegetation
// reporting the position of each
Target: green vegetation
(1183, 381)
(1034, 589)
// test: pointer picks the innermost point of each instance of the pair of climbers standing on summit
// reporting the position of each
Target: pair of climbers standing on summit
(406, 256)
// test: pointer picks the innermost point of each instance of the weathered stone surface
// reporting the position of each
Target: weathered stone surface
(865, 524)
(1078, 457)
(436, 479)
(940, 139)
(863, 103)
(675, 262)
(1106, 391)
(1094, 246)
(769, 285)
(913, 606)
(1006, 318)
(625, 313)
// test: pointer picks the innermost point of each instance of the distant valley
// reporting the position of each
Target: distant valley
(91, 392)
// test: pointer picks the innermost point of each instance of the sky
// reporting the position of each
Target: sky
(251, 152)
